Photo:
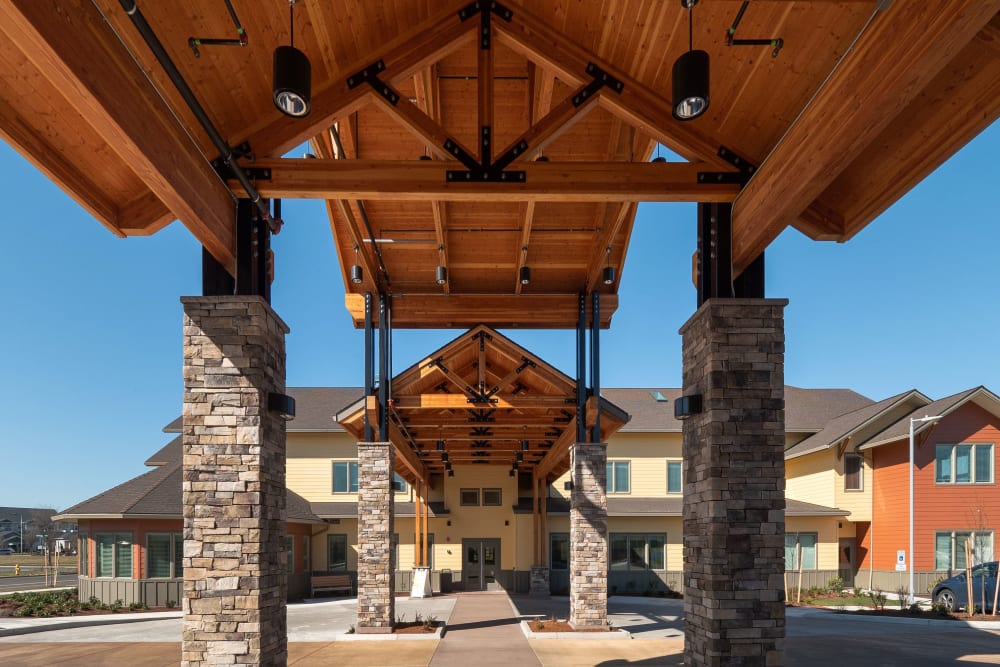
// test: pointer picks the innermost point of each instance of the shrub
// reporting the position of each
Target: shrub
(878, 598)
(836, 585)
(902, 593)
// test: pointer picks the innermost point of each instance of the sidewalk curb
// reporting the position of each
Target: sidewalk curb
(930, 622)
(82, 622)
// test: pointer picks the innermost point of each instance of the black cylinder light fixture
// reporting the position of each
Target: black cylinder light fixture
(690, 76)
(441, 273)
(609, 271)
(292, 87)
(357, 275)
(525, 275)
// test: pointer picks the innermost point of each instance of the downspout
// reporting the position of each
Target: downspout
(225, 150)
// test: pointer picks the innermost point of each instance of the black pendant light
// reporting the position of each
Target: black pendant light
(609, 271)
(292, 74)
(357, 275)
(441, 273)
(690, 76)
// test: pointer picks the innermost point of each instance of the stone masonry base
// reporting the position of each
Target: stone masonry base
(376, 557)
(588, 537)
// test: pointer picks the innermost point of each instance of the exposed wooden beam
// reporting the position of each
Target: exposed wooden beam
(901, 51)
(421, 125)
(558, 455)
(405, 453)
(458, 402)
(74, 46)
(605, 238)
(411, 180)
(500, 311)
(417, 49)
(635, 104)
(550, 127)
(144, 215)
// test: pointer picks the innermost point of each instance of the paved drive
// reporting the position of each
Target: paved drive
(481, 629)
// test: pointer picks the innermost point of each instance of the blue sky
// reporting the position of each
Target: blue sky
(92, 323)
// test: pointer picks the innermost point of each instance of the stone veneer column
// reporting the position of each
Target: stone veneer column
(376, 557)
(539, 583)
(734, 484)
(235, 583)
(588, 536)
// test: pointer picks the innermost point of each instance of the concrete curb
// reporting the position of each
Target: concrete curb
(32, 625)
(615, 634)
(355, 637)
(930, 622)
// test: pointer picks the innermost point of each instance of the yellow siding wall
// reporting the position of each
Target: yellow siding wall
(811, 478)
(858, 503)
(310, 466)
(647, 454)
(826, 538)
(320, 551)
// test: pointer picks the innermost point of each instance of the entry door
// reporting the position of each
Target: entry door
(847, 565)
(480, 564)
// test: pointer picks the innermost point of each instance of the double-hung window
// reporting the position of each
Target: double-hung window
(618, 476)
(164, 552)
(675, 477)
(345, 476)
(803, 544)
(949, 548)
(964, 463)
(113, 557)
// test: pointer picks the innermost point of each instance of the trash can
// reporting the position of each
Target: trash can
(446, 581)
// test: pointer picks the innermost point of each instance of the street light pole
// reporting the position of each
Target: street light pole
(914, 420)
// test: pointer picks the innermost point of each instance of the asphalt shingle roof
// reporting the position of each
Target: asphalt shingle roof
(314, 408)
(942, 406)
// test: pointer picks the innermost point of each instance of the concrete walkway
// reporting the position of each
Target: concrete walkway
(483, 630)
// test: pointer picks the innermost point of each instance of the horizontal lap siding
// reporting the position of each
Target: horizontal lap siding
(811, 478)
(936, 506)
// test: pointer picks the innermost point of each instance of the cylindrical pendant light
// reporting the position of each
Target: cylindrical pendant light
(690, 76)
(292, 74)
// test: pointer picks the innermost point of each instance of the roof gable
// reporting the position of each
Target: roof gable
(980, 395)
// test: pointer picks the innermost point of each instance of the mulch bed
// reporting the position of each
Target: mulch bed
(412, 628)
(561, 626)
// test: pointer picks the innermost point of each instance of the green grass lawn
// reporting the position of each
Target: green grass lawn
(850, 601)
(31, 564)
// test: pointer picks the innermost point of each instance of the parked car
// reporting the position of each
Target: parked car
(953, 593)
(6, 552)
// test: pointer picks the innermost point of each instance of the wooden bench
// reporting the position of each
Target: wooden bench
(331, 582)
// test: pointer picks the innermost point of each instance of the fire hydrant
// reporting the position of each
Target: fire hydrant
(17, 569)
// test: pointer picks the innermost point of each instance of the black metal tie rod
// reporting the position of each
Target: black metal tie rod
(225, 150)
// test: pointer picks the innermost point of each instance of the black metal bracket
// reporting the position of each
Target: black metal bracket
(599, 79)
(258, 173)
(741, 177)
(484, 7)
(775, 42)
(243, 151)
(370, 76)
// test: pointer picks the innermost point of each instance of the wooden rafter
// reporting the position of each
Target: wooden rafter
(419, 48)
(897, 56)
(408, 180)
(79, 52)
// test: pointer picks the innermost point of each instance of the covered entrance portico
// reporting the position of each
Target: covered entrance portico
(481, 164)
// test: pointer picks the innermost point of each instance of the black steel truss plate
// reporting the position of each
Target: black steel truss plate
(477, 7)
(737, 177)
(732, 158)
(366, 75)
(485, 176)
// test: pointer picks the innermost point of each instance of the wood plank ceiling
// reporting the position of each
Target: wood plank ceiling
(864, 99)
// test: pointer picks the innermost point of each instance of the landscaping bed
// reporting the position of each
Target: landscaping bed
(556, 625)
(52, 604)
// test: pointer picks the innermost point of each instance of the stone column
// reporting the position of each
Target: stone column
(539, 586)
(588, 536)
(734, 484)
(235, 583)
(376, 557)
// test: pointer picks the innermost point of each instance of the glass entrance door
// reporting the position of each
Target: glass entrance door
(480, 564)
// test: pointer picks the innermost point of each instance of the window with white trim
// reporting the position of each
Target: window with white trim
(675, 477)
(618, 476)
(949, 548)
(345, 476)
(800, 543)
(854, 472)
(964, 463)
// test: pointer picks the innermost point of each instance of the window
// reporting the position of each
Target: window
(674, 477)
(800, 543)
(618, 476)
(113, 556)
(963, 464)
(337, 552)
(949, 548)
(559, 551)
(290, 553)
(637, 551)
(398, 483)
(345, 476)
(854, 472)
(83, 542)
(164, 552)
(492, 497)
(307, 554)
(469, 497)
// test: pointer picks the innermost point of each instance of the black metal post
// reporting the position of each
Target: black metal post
(595, 364)
(715, 256)
(369, 364)
(383, 382)
(215, 280)
(246, 237)
(581, 371)
(750, 283)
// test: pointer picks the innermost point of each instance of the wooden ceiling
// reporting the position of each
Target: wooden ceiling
(858, 106)
(488, 401)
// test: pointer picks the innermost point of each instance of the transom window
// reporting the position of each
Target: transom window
(345, 476)
(618, 476)
(803, 544)
(164, 552)
(949, 548)
(637, 551)
(675, 477)
(854, 479)
(965, 463)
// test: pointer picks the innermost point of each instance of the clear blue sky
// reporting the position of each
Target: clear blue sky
(91, 331)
